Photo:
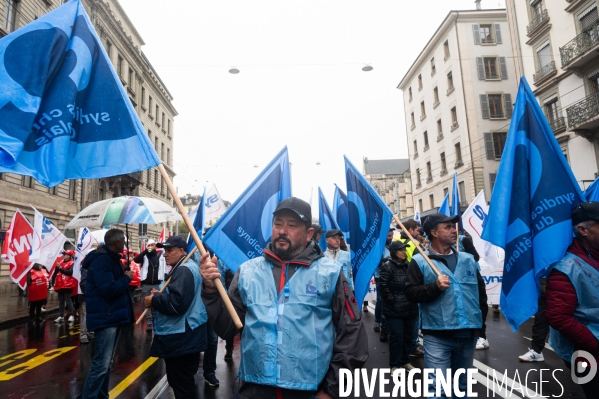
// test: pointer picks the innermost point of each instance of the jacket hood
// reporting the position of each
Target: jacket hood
(103, 250)
(305, 258)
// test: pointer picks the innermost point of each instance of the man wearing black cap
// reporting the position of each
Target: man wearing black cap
(179, 319)
(333, 251)
(452, 305)
(573, 294)
(300, 323)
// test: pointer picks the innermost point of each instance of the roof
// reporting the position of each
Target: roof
(386, 166)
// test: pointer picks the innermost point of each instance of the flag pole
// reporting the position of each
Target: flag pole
(141, 317)
(417, 245)
(196, 239)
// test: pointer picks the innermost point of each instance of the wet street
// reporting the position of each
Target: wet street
(47, 361)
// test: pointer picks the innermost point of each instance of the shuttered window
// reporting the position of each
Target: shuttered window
(544, 55)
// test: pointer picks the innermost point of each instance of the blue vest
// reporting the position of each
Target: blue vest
(195, 315)
(288, 338)
(585, 280)
(460, 244)
(458, 306)
(344, 260)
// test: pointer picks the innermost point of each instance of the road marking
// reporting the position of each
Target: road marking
(116, 391)
(158, 389)
(546, 343)
(33, 363)
(16, 355)
(490, 372)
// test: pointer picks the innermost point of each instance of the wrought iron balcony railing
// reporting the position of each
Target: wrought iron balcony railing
(544, 71)
(542, 17)
(580, 44)
(583, 110)
(558, 124)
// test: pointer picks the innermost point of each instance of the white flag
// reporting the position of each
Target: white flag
(48, 241)
(84, 245)
(491, 257)
(214, 206)
(417, 215)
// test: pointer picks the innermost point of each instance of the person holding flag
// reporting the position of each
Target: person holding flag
(64, 283)
(301, 293)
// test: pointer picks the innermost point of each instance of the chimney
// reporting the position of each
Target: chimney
(477, 2)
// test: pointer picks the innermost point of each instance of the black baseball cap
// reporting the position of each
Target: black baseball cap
(174, 241)
(300, 207)
(397, 245)
(435, 219)
(585, 211)
(333, 232)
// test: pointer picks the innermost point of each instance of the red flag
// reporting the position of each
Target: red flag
(162, 238)
(16, 248)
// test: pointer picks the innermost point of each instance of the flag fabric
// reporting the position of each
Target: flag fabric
(370, 219)
(246, 227)
(491, 257)
(455, 197)
(214, 206)
(341, 213)
(48, 241)
(198, 222)
(444, 208)
(592, 191)
(325, 218)
(417, 214)
(64, 113)
(16, 248)
(161, 239)
(84, 246)
(531, 204)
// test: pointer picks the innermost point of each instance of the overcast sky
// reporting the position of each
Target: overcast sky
(300, 84)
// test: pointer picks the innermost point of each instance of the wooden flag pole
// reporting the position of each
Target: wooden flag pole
(457, 237)
(189, 255)
(196, 239)
(417, 245)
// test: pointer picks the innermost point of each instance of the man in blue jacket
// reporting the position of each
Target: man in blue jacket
(108, 308)
(179, 319)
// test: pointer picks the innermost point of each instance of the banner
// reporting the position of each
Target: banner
(16, 248)
(491, 257)
(325, 219)
(84, 246)
(199, 223)
(245, 229)
(341, 213)
(531, 206)
(64, 113)
(48, 241)
(369, 219)
(214, 206)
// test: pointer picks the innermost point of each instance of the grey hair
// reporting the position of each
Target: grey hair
(112, 236)
(587, 224)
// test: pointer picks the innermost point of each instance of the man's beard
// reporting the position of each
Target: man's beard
(289, 253)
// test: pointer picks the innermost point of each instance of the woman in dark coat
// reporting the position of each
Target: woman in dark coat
(401, 315)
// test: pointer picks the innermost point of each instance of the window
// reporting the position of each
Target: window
(454, 118)
(544, 55)
(156, 144)
(420, 205)
(422, 111)
(429, 172)
(431, 201)
(131, 76)
(168, 156)
(492, 177)
(443, 163)
(418, 181)
(10, 14)
(415, 148)
(53, 190)
(108, 49)
(162, 152)
(445, 191)
(143, 96)
(436, 96)
(410, 93)
(487, 33)
(488, 68)
(72, 189)
(537, 8)
(494, 144)
(458, 155)
(552, 110)
(149, 178)
(168, 129)
(433, 68)
(587, 19)
(163, 124)
(496, 106)
(594, 80)
(449, 82)
(119, 66)
(413, 120)
(155, 180)
(439, 127)
(425, 135)
(161, 185)
(419, 82)
(102, 191)
(157, 112)
(446, 49)
(27, 181)
(462, 190)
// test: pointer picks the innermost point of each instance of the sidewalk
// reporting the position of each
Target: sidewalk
(14, 308)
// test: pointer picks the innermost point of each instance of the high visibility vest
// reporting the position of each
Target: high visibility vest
(409, 249)
(136, 281)
(38, 289)
(64, 282)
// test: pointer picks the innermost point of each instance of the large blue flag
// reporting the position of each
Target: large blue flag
(444, 208)
(370, 219)
(340, 212)
(531, 204)
(64, 113)
(455, 197)
(592, 191)
(245, 229)
(325, 218)
(198, 222)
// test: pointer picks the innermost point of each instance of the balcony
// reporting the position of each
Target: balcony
(558, 125)
(581, 49)
(539, 21)
(450, 90)
(426, 147)
(418, 185)
(429, 179)
(454, 126)
(458, 164)
(584, 115)
(443, 172)
(439, 137)
(436, 104)
(413, 126)
(542, 74)
(416, 155)
(422, 117)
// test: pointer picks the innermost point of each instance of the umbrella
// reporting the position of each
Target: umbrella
(125, 210)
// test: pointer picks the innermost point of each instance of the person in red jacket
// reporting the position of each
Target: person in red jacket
(135, 268)
(37, 291)
(573, 297)
(64, 282)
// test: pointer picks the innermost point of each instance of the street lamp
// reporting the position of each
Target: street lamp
(367, 68)
(233, 71)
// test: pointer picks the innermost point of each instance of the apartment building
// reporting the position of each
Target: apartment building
(392, 181)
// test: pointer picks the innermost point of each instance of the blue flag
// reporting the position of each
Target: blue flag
(198, 222)
(64, 113)
(245, 229)
(444, 209)
(455, 197)
(592, 192)
(531, 204)
(340, 212)
(370, 219)
(325, 218)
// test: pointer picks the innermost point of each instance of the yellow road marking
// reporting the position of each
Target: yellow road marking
(116, 391)
(19, 369)
(16, 355)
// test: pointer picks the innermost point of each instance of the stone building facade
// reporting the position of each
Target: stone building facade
(391, 180)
